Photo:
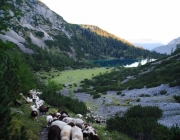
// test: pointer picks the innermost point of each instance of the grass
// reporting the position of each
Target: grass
(24, 119)
(110, 135)
(72, 76)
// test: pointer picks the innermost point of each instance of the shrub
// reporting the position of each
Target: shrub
(138, 100)
(144, 95)
(144, 112)
(96, 96)
(177, 98)
(44, 77)
(163, 92)
(119, 92)
(39, 33)
(141, 123)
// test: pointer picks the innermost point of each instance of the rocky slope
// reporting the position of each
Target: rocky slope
(111, 103)
(33, 17)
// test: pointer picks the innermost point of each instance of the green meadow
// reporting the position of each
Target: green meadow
(71, 76)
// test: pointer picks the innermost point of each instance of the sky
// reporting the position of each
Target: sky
(133, 20)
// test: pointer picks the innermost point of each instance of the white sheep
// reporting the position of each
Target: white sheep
(76, 133)
(67, 119)
(79, 115)
(59, 123)
(39, 93)
(78, 122)
(29, 100)
(49, 119)
(66, 132)
(33, 108)
(39, 103)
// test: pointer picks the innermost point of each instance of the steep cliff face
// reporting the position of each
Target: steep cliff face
(33, 17)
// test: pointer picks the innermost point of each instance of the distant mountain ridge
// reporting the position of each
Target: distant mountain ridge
(169, 48)
(148, 46)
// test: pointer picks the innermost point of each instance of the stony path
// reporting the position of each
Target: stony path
(43, 134)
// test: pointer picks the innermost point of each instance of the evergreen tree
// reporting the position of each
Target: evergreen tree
(14, 77)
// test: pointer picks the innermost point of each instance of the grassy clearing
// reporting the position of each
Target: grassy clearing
(107, 135)
(75, 76)
(71, 76)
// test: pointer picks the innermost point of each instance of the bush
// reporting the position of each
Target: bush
(44, 77)
(163, 92)
(138, 100)
(141, 123)
(119, 92)
(96, 96)
(144, 112)
(39, 33)
(177, 98)
(144, 95)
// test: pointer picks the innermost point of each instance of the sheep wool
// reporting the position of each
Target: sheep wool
(66, 132)
(76, 133)
(59, 123)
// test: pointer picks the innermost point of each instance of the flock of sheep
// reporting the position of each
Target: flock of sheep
(60, 125)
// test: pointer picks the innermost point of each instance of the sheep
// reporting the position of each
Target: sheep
(67, 119)
(88, 109)
(98, 121)
(93, 137)
(76, 133)
(39, 103)
(59, 123)
(34, 114)
(49, 119)
(33, 107)
(64, 113)
(91, 133)
(66, 132)
(54, 133)
(84, 126)
(78, 122)
(29, 100)
(43, 109)
(79, 115)
(39, 93)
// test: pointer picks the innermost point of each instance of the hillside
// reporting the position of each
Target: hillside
(34, 25)
(169, 48)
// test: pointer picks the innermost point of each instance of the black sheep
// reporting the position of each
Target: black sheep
(34, 114)
(43, 109)
(54, 133)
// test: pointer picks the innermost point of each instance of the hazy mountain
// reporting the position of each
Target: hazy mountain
(169, 48)
(38, 26)
(148, 46)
